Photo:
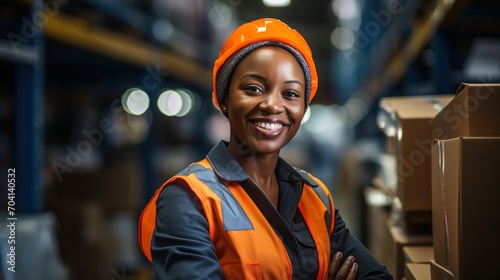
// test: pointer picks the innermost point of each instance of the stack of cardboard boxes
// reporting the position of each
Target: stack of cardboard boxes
(466, 185)
(441, 159)
(417, 262)
(407, 124)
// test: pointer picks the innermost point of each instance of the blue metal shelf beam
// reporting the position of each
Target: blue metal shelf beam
(143, 23)
(22, 54)
(29, 125)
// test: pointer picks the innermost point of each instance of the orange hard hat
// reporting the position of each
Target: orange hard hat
(267, 30)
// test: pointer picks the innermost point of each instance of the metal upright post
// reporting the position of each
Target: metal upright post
(29, 118)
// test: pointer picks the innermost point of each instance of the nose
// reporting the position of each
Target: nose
(271, 103)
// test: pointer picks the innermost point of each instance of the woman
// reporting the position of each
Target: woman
(243, 212)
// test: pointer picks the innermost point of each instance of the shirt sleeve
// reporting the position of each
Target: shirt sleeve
(181, 246)
(342, 240)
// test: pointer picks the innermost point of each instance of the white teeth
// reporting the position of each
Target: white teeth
(269, 126)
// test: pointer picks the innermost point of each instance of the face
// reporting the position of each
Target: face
(266, 101)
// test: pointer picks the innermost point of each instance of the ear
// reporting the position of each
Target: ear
(223, 107)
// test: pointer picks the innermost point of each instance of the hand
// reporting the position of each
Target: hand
(342, 271)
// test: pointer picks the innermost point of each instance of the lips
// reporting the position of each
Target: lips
(269, 129)
(269, 126)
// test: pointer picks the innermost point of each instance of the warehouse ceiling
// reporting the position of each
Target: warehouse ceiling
(100, 38)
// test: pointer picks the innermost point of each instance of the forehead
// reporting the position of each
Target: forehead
(269, 51)
(270, 57)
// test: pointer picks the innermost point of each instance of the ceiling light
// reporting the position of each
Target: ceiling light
(343, 38)
(135, 101)
(175, 102)
(276, 3)
(345, 9)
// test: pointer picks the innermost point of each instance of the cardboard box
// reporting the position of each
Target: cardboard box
(400, 238)
(465, 197)
(438, 272)
(120, 186)
(408, 119)
(418, 271)
(472, 112)
(418, 254)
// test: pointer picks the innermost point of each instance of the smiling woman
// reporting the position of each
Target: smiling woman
(242, 212)
(266, 103)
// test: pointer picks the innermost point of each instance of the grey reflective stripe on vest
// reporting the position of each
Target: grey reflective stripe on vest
(233, 216)
(314, 185)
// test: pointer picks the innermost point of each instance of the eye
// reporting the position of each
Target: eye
(253, 89)
(291, 94)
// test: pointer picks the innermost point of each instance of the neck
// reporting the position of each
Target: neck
(259, 167)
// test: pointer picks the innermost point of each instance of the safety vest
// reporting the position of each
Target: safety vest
(246, 245)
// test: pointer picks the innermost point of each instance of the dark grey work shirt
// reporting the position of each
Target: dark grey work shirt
(182, 249)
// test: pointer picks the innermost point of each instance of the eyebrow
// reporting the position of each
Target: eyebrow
(263, 79)
(294, 82)
(258, 77)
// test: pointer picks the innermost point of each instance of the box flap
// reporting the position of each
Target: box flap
(419, 254)
(463, 86)
(472, 112)
(439, 272)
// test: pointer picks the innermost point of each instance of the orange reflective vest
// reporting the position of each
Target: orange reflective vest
(246, 245)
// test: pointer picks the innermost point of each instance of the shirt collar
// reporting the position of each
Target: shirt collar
(226, 167)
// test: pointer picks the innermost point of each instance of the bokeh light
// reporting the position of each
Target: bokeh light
(135, 101)
(176, 103)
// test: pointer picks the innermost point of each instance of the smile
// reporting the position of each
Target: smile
(269, 126)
